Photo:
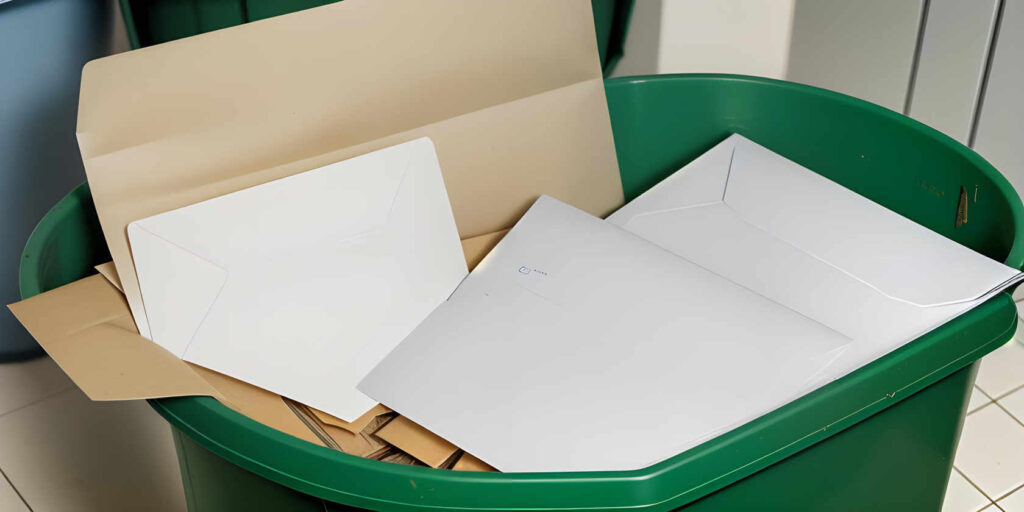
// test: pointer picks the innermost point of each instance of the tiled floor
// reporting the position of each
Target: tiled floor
(61, 452)
(989, 464)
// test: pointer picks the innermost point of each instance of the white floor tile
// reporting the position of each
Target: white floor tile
(69, 453)
(1013, 502)
(961, 496)
(978, 399)
(9, 500)
(1014, 402)
(990, 508)
(991, 451)
(29, 381)
(1002, 370)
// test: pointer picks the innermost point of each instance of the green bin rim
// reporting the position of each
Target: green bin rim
(351, 480)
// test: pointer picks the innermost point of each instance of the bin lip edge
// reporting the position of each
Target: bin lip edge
(1015, 256)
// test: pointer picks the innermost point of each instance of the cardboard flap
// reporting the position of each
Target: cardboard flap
(108, 271)
(257, 403)
(476, 248)
(510, 92)
(354, 427)
(86, 328)
(468, 462)
(417, 441)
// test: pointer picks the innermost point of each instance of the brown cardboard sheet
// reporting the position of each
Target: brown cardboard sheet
(96, 344)
(417, 441)
(108, 271)
(87, 329)
(468, 462)
(354, 427)
(511, 94)
(476, 248)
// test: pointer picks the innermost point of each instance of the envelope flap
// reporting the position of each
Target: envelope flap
(339, 201)
(702, 182)
(178, 287)
(881, 248)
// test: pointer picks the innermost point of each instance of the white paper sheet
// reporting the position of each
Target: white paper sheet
(301, 285)
(576, 345)
(788, 233)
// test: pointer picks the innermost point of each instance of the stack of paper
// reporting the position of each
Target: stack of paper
(737, 285)
(301, 285)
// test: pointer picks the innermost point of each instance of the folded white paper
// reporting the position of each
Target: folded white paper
(576, 345)
(785, 232)
(301, 285)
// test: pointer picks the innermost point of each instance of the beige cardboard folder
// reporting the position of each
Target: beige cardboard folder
(510, 92)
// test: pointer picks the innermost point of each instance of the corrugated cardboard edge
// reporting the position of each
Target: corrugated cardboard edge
(354, 427)
(417, 441)
(468, 462)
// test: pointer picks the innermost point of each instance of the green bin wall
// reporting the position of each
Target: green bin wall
(881, 438)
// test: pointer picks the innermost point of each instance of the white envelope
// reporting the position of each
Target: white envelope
(795, 237)
(302, 284)
(576, 345)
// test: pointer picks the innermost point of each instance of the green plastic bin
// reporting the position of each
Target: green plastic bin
(881, 438)
(152, 22)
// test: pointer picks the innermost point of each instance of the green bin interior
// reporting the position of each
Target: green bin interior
(150, 22)
(881, 438)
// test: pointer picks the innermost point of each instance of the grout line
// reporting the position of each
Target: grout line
(983, 493)
(990, 402)
(986, 404)
(1005, 394)
(43, 399)
(984, 393)
(16, 491)
(1010, 414)
(1015, 489)
(990, 500)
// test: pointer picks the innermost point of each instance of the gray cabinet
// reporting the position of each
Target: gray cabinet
(864, 48)
(1000, 132)
(953, 54)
